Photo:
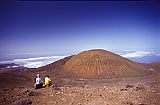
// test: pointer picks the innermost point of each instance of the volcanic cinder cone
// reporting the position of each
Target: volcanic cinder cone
(102, 64)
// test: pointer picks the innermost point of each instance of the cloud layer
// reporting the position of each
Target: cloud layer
(138, 54)
(35, 62)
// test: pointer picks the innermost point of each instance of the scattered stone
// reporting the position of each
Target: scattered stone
(151, 69)
(142, 104)
(5, 89)
(123, 89)
(128, 103)
(25, 91)
(74, 91)
(94, 103)
(58, 92)
(22, 102)
(104, 86)
(129, 86)
(139, 87)
(33, 93)
(30, 92)
(56, 85)
(71, 103)
(5, 98)
(56, 88)
(86, 86)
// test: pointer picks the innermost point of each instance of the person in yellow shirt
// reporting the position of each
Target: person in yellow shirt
(47, 81)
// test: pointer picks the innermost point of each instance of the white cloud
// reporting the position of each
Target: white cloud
(35, 62)
(158, 54)
(138, 54)
(39, 58)
(28, 53)
(6, 62)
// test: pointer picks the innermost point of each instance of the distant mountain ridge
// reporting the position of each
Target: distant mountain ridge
(11, 68)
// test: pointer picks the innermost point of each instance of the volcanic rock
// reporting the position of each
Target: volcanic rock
(22, 102)
(30, 92)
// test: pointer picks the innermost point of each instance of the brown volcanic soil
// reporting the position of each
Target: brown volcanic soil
(69, 90)
(103, 64)
(154, 65)
(11, 85)
(72, 91)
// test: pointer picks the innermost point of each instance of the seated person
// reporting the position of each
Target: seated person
(39, 82)
(47, 81)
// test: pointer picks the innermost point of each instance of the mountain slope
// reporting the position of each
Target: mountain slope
(102, 64)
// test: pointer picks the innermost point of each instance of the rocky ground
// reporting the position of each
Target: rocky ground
(135, 94)
(119, 91)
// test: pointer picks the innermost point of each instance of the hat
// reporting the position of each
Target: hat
(38, 75)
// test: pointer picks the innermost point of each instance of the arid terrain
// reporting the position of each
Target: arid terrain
(115, 81)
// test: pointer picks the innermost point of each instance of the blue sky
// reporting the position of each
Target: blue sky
(32, 29)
